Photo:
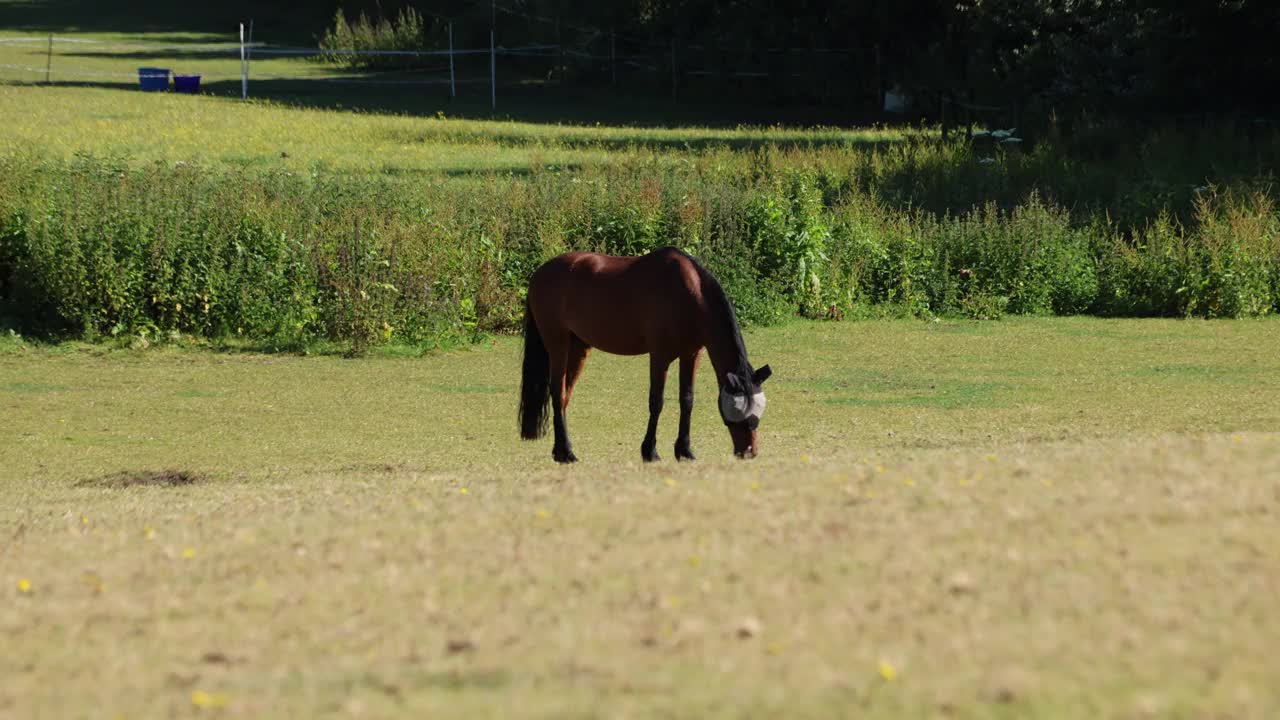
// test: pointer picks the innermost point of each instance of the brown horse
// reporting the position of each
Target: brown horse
(664, 304)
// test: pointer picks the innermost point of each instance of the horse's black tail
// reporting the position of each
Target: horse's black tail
(535, 382)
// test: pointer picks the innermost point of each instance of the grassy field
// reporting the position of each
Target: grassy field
(1025, 518)
(1030, 517)
(123, 212)
(144, 127)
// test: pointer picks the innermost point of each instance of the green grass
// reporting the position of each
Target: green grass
(144, 127)
(370, 536)
(847, 387)
(1026, 518)
(124, 212)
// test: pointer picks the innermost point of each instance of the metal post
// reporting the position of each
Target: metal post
(493, 55)
(560, 55)
(879, 81)
(453, 87)
(674, 92)
(248, 52)
(244, 69)
(48, 63)
(946, 103)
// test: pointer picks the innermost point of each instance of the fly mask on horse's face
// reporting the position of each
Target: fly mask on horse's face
(737, 408)
(741, 407)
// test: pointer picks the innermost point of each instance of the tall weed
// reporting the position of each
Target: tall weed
(95, 247)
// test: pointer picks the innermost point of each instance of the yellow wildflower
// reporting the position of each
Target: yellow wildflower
(208, 700)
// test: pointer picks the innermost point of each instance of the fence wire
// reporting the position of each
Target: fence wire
(595, 56)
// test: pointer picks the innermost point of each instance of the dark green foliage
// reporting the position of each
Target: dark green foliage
(95, 248)
(345, 41)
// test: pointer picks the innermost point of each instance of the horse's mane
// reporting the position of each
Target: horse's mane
(724, 319)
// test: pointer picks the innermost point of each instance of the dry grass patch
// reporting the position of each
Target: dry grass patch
(136, 478)
(1096, 536)
(1095, 578)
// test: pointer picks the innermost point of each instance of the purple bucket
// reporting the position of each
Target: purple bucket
(186, 83)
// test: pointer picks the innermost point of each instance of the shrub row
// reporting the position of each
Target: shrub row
(93, 247)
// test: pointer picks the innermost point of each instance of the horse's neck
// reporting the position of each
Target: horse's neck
(724, 344)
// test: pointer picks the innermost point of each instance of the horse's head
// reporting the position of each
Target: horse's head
(741, 405)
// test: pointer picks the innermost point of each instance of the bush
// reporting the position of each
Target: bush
(787, 230)
(1232, 258)
(94, 248)
(342, 41)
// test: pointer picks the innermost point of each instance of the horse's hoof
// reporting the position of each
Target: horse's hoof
(684, 454)
(650, 456)
(564, 456)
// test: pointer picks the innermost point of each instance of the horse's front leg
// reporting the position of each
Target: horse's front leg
(561, 451)
(657, 381)
(688, 369)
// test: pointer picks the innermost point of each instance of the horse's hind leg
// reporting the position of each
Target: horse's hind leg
(657, 381)
(688, 369)
(578, 352)
(558, 351)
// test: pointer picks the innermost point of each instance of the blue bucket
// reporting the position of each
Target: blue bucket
(152, 79)
(186, 84)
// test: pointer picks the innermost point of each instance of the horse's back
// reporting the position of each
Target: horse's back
(622, 305)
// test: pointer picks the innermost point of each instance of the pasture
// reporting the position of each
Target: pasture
(1024, 518)
(144, 215)
(265, 135)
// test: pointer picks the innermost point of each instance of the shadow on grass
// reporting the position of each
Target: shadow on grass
(282, 19)
(155, 57)
(412, 94)
(638, 140)
(145, 478)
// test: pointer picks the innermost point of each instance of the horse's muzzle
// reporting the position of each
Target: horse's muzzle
(744, 441)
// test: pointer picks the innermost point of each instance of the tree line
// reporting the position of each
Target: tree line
(1173, 56)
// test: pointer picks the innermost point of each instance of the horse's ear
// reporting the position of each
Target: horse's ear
(733, 382)
(761, 375)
